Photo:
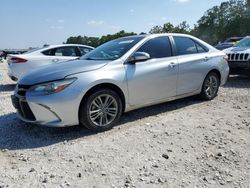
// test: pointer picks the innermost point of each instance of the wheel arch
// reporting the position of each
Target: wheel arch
(216, 71)
(111, 86)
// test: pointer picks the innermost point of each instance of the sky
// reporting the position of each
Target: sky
(33, 23)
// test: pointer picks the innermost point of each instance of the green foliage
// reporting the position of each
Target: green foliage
(231, 18)
(170, 28)
(107, 38)
(95, 41)
(90, 41)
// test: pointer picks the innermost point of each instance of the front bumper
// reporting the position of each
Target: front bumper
(239, 67)
(37, 114)
(56, 110)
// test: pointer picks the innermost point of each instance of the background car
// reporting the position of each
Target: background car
(228, 43)
(18, 65)
(119, 76)
(239, 57)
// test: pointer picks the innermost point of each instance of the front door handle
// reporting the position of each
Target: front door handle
(172, 65)
(206, 58)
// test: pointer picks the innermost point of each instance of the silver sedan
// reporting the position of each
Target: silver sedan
(120, 76)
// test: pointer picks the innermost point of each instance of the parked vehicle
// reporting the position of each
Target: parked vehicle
(18, 65)
(228, 43)
(239, 57)
(120, 76)
(1, 56)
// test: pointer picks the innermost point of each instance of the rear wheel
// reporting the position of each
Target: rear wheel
(210, 86)
(101, 110)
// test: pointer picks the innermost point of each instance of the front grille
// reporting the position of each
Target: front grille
(238, 57)
(22, 89)
(23, 108)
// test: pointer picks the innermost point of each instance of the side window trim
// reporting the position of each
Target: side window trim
(78, 51)
(173, 46)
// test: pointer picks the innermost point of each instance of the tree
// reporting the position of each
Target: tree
(156, 29)
(170, 28)
(229, 19)
(95, 41)
(90, 41)
(107, 38)
(183, 27)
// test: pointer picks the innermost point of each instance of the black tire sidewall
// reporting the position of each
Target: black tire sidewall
(203, 92)
(84, 117)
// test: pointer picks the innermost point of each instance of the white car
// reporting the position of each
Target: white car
(239, 57)
(18, 65)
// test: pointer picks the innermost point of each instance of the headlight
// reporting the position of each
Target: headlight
(52, 87)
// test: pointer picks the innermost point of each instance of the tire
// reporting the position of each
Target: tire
(210, 86)
(96, 114)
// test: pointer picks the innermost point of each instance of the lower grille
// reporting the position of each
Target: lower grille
(23, 108)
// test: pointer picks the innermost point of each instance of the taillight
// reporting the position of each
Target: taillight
(226, 58)
(18, 60)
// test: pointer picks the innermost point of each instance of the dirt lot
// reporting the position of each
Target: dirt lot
(186, 143)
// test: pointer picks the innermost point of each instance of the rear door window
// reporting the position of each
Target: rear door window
(66, 51)
(186, 46)
(69, 51)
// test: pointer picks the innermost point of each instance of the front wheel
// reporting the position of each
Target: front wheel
(210, 86)
(101, 110)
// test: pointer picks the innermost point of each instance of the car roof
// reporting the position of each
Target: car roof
(159, 34)
(65, 45)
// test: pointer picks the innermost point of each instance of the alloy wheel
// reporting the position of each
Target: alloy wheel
(211, 86)
(103, 110)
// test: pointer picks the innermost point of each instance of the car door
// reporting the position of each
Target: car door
(192, 59)
(156, 78)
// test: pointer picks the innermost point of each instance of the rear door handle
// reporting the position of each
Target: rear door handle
(172, 65)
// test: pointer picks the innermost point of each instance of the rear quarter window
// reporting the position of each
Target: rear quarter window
(50, 52)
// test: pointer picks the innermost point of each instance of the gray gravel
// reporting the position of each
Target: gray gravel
(186, 143)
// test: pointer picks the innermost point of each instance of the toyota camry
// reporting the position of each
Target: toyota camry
(120, 76)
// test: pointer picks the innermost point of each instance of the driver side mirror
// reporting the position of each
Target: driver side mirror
(139, 57)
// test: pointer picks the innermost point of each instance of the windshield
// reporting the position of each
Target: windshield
(113, 50)
(243, 43)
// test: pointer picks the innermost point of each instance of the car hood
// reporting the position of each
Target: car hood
(237, 49)
(60, 71)
(225, 43)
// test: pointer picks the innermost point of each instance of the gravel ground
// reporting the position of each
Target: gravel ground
(186, 143)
